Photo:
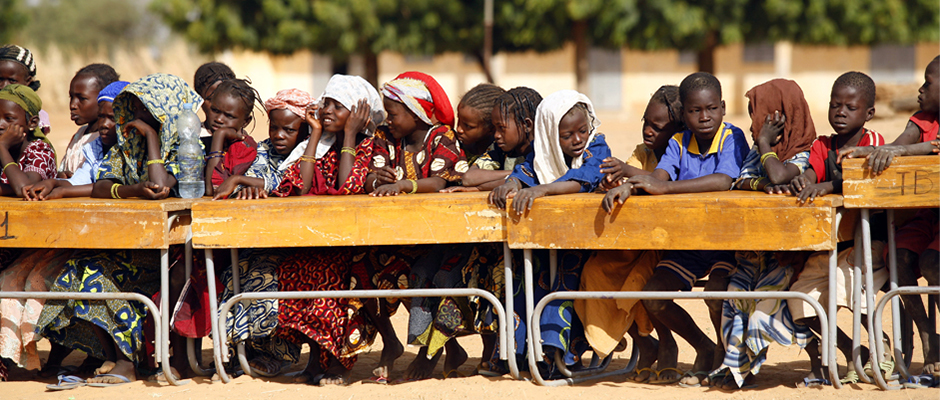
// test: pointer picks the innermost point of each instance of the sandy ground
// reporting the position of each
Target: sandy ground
(775, 381)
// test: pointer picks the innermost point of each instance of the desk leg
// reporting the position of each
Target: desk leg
(875, 333)
(856, 305)
(214, 312)
(830, 350)
(164, 346)
(552, 266)
(190, 342)
(895, 304)
(508, 352)
(534, 347)
(236, 289)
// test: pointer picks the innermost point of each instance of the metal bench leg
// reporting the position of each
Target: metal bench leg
(829, 352)
(509, 325)
(190, 342)
(214, 312)
(164, 344)
(856, 288)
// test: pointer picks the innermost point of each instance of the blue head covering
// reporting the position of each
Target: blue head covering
(111, 91)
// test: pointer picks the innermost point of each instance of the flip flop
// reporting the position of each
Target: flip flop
(121, 377)
(670, 381)
(851, 377)
(641, 370)
(490, 369)
(379, 380)
(921, 382)
(268, 366)
(814, 382)
(691, 374)
(453, 374)
(67, 382)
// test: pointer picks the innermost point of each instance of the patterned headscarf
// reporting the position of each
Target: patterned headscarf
(111, 91)
(549, 159)
(29, 101)
(163, 95)
(24, 57)
(785, 96)
(422, 95)
(296, 101)
(348, 90)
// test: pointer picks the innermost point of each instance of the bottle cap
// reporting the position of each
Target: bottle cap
(187, 106)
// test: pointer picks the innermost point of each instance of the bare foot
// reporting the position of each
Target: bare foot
(122, 368)
(160, 377)
(422, 367)
(105, 367)
(649, 353)
(932, 355)
(335, 379)
(455, 357)
(667, 357)
(390, 353)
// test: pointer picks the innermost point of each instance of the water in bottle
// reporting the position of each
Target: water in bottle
(191, 156)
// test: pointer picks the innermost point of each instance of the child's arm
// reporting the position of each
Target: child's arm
(15, 135)
(477, 177)
(614, 169)
(252, 185)
(424, 185)
(308, 167)
(524, 198)
(156, 170)
(359, 118)
(805, 186)
(221, 141)
(105, 189)
(653, 185)
(879, 158)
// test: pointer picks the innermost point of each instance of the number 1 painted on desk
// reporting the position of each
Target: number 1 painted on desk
(6, 227)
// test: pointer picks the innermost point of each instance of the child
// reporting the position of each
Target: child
(25, 157)
(346, 109)
(80, 184)
(232, 150)
(207, 78)
(687, 167)
(783, 132)
(852, 104)
(606, 321)
(83, 105)
(17, 65)
(475, 131)
(286, 144)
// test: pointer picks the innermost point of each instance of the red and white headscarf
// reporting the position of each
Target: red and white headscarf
(422, 95)
(293, 100)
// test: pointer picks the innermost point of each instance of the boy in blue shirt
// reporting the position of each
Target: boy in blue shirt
(707, 157)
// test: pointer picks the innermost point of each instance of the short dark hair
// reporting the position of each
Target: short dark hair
(859, 81)
(698, 81)
(521, 102)
(208, 74)
(482, 98)
(104, 74)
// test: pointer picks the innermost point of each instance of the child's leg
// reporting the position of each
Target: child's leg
(391, 346)
(454, 357)
(179, 363)
(717, 282)
(649, 351)
(929, 261)
(116, 362)
(914, 306)
(668, 352)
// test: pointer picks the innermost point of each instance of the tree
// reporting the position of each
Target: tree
(11, 19)
(79, 26)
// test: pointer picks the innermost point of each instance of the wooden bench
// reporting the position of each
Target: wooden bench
(323, 221)
(84, 223)
(910, 182)
(733, 220)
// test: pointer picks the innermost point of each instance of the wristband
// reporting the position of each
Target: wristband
(157, 161)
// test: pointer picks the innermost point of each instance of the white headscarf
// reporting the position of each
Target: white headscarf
(549, 159)
(348, 90)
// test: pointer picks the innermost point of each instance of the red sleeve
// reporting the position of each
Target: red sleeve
(380, 150)
(447, 159)
(237, 160)
(928, 124)
(39, 157)
(817, 157)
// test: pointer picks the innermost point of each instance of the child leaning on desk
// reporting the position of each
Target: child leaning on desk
(706, 157)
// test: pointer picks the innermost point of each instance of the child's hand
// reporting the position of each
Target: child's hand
(772, 131)
(454, 189)
(880, 159)
(226, 189)
(141, 127)
(854, 152)
(499, 195)
(649, 184)
(230, 135)
(614, 169)
(385, 175)
(798, 183)
(617, 195)
(391, 189)
(359, 118)
(252, 193)
(12, 136)
(154, 191)
(524, 198)
(38, 191)
(811, 191)
(777, 189)
(312, 119)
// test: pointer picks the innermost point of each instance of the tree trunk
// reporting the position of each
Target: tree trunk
(579, 34)
(706, 55)
(372, 67)
(485, 66)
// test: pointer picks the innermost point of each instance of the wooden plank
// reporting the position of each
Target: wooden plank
(910, 182)
(347, 221)
(734, 220)
(85, 223)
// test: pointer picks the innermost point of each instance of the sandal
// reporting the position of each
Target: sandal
(693, 374)
(490, 369)
(851, 377)
(67, 382)
(637, 373)
(669, 381)
(813, 382)
(267, 367)
(887, 367)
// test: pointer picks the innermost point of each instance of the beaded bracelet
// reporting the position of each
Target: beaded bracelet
(216, 152)
(348, 150)
(114, 191)
(7, 165)
(157, 161)
(214, 156)
(309, 159)
(767, 155)
(414, 186)
(755, 183)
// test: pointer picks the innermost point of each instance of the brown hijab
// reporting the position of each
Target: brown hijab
(785, 96)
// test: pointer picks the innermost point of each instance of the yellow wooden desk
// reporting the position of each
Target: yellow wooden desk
(86, 223)
(910, 182)
(733, 220)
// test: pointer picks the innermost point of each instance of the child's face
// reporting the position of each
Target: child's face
(573, 132)
(107, 128)
(470, 126)
(11, 114)
(848, 110)
(333, 115)
(142, 113)
(401, 121)
(509, 136)
(83, 99)
(703, 111)
(284, 130)
(929, 98)
(227, 111)
(657, 128)
(206, 103)
(12, 72)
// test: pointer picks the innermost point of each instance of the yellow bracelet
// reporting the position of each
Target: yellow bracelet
(309, 159)
(157, 161)
(768, 155)
(755, 183)
(114, 191)
(4, 170)
(414, 186)
(348, 150)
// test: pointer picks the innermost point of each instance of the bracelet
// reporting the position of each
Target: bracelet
(374, 183)
(4, 170)
(755, 183)
(414, 186)
(214, 156)
(767, 155)
(157, 161)
(309, 159)
(114, 191)
(348, 150)
(211, 153)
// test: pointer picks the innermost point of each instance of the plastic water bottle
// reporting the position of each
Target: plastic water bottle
(192, 159)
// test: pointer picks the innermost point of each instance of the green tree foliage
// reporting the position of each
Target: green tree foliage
(12, 18)
(89, 25)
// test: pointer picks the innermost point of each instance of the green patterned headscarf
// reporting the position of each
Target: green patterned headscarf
(29, 101)
(163, 95)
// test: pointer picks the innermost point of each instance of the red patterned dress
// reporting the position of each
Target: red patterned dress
(38, 157)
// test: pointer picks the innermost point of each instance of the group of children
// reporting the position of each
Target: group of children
(406, 138)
